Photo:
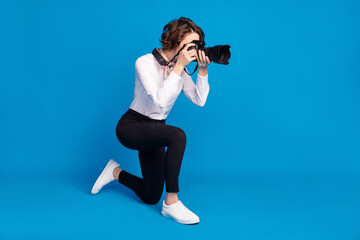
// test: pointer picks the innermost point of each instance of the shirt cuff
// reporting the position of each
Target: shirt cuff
(203, 77)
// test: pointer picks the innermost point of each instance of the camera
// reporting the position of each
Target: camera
(218, 54)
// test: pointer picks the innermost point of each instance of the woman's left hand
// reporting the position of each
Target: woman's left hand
(203, 60)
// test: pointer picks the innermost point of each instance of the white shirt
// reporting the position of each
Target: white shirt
(154, 96)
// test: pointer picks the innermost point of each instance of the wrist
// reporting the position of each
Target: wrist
(203, 71)
(178, 68)
(203, 67)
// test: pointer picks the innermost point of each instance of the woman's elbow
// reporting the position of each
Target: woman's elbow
(201, 103)
(159, 103)
(156, 100)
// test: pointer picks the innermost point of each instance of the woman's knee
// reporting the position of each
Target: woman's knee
(152, 190)
(179, 135)
(152, 199)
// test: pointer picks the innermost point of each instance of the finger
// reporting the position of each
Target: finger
(192, 52)
(189, 55)
(202, 62)
(193, 58)
(196, 58)
(208, 60)
(188, 45)
(204, 57)
(199, 57)
(193, 55)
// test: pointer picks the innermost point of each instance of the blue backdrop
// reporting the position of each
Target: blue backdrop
(273, 154)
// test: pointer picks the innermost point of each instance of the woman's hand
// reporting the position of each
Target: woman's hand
(185, 57)
(203, 60)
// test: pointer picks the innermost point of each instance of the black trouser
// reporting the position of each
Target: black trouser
(150, 137)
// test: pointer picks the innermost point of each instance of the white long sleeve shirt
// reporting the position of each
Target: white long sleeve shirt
(154, 96)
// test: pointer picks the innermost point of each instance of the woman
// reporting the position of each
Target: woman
(143, 126)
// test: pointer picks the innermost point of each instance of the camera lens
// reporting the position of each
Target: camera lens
(219, 54)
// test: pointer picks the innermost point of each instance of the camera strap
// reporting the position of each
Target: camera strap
(159, 58)
(163, 62)
(193, 71)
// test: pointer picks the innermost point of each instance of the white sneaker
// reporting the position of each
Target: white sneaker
(105, 177)
(179, 213)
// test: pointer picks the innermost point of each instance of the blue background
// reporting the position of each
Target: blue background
(273, 154)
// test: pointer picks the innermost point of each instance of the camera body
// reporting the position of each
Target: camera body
(218, 54)
(199, 45)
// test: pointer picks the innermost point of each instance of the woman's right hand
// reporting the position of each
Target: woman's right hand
(184, 58)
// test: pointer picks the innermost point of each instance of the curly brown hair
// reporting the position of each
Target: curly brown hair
(175, 31)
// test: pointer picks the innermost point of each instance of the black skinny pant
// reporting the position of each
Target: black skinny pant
(150, 137)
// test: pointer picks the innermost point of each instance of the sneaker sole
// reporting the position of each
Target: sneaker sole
(105, 171)
(177, 220)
